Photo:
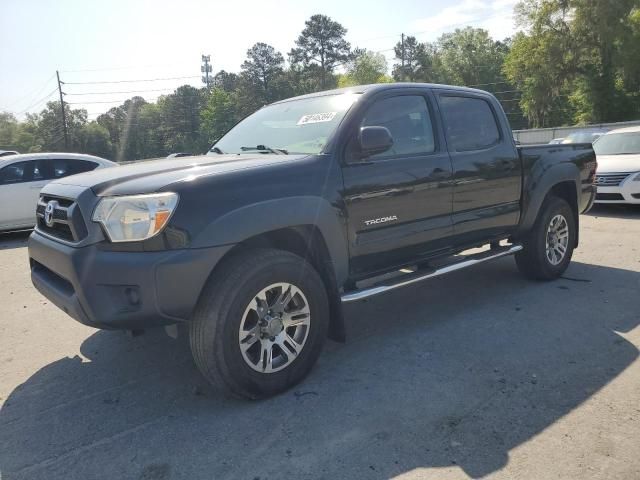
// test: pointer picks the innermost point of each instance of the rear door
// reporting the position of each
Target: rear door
(399, 201)
(487, 171)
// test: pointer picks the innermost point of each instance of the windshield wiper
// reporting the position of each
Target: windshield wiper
(264, 148)
(216, 150)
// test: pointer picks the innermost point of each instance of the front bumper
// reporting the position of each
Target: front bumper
(627, 192)
(121, 290)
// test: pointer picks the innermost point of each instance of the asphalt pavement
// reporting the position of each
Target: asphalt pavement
(477, 374)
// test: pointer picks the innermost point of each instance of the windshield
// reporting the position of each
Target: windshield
(581, 137)
(297, 126)
(618, 144)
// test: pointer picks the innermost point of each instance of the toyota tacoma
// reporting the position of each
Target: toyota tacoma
(305, 205)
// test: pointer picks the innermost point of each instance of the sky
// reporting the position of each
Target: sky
(123, 41)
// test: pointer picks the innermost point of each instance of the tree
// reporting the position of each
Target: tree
(225, 80)
(411, 55)
(218, 116)
(94, 139)
(470, 56)
(122, 124)
(180, 114)
(8, 130)
(262, 66)
(366, 67)
(576, 62)
(47, 130)
(321, 43)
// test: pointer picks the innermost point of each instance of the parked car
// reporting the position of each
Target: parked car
(23, 176)
(584, 136)
(257, 246)
(618, 174)
(556, 141)
(6, 153)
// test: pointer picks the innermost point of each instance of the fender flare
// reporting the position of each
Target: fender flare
(250, 220)
(538, 186)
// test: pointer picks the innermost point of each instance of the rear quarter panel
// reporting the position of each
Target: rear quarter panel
(547, 165)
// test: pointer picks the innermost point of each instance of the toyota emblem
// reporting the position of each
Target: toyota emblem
(48, 213)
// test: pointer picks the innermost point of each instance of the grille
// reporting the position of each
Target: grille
(609, 196)
(66, 220)
(610, 179)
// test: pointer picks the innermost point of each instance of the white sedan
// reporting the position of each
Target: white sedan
(23, 176)
(618, 174)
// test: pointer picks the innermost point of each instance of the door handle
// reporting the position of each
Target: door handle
(37, 187)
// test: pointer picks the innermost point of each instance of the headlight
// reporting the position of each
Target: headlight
(637, 177)
(135, 217)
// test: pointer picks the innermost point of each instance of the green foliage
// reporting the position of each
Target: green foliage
(94, 139)
(413, 60)
(365, 68)
(466, 56)
(219, 115)
(321, 43)
(261, 69)
(578, 61)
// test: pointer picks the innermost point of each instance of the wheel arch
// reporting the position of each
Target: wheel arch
(305, 226)
(561, 180)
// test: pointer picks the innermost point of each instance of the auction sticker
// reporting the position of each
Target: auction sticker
(316, 118)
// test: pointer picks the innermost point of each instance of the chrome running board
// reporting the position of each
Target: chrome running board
(408, 279)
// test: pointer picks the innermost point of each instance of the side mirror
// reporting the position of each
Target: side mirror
(374, 140)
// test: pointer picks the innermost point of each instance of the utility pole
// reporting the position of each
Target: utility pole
(402, 50)
(64, 118)
(206, 69)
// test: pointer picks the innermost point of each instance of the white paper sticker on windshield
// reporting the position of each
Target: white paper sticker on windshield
(316, 118)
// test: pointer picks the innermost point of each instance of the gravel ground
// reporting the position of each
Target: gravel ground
(480, 373)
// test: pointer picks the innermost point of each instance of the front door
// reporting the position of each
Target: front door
(19, 195)
(398, 202)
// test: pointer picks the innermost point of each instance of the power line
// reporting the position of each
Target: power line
(122, 92)
(127, 67)
(125, 99)
(33, 93)
(38, 102)
(131, 81)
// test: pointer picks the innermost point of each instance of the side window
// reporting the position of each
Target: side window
(469, 123)
(43, 170)
(19, 172)
(50, 169)
(407, 118)
(81, 166)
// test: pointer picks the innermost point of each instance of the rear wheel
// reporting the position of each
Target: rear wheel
(548, 247)
(260, 324)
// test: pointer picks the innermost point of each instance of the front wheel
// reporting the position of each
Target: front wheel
(260, 323)
(548, 247)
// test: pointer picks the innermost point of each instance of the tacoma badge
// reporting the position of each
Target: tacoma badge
(381, 220)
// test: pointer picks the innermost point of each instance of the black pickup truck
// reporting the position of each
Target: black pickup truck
(298, 209)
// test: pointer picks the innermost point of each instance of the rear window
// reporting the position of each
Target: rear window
(470, 123)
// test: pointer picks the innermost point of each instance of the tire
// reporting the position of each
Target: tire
(232, 359)
(534, 260)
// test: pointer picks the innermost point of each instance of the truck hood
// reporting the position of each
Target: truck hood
(152, 175)
(618, 163)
